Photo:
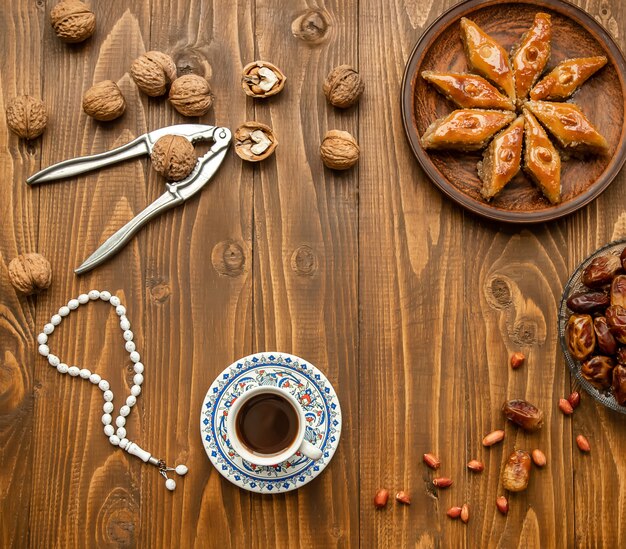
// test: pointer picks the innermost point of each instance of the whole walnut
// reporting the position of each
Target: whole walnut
(104, 101)
(27, 116)
(72, 21)
(191, 95)
(173, 157)
(343, 86)
(30, 273)
(339, 150)
(153, 72)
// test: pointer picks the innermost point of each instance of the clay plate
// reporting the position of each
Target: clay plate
(574, 34)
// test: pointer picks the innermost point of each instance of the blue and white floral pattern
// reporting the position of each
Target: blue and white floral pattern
(321, 409)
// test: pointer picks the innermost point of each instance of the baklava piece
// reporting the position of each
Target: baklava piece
(541, 159)
(566, 78)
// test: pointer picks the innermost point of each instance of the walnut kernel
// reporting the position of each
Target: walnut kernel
(339, 150)
(343, 86)
(191, 95)
(104, 101)
(27, 116)
(72, 21)
(254, 141)
(30, 273)
(262, 79)
(153, 72)
(173, 157)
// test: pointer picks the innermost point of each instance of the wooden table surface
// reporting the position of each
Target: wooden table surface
(410, 305)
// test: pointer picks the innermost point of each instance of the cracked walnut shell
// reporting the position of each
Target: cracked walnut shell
(104, 101)
(262, 79)
(30, 273)
(72, 21)
(27, 116)
(343, 86)
(153, 72)
(339, 150)
(173, 157)
(191, 95)
(254, 141)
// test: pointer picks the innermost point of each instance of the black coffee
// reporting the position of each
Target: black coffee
(267, 423)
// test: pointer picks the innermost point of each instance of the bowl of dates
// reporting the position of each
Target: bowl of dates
(592, 325)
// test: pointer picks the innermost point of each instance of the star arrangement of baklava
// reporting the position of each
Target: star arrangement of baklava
(509, 108)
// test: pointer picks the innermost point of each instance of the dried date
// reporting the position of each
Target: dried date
(523, 414)
(621, 356)
(619, 384)
(516, 472)
(588, 302)
(604, 338)
(601, 271)
(616, 320)
(618, 291)
(580, 336)
(599, 371)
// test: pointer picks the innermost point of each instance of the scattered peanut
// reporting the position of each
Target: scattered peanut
(381, 498)
(583, 443)
(465, 514)
(539, 458)
(403, 497)
(517, 360)
(475, 465)
(565, 407)
(442, 482)
(574, 399)
(502, 504)
(493, 438)
(454, 512)
(432, 461)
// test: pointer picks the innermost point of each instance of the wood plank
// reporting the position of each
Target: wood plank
(305, 257)
(20, 74)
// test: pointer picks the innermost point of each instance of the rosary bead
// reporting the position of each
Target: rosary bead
(73, 304)
(42, 338)
(124, 411)
(130, 346)
(105, 296)
(85, 373)
(62, 368)
(124, 323)
(83, 298)
(114, 300)
(107, 419)
(104, 385)
(128, 335)
(109, 430)
(170, 484)
(181, 470)
(123, 443)
(107, 407)
(95, 379)
(115, 440)
(131, 401)
(120, 310)
(107, 395)
(54, 360)
(121, 433)
(64, 311)
(120, 421)
(48, 329)
(44, 350)
(93, 295)
(73, 371)
(135, 390)
(134, 356)
(138, 367)
(56, 320)
(138, 379)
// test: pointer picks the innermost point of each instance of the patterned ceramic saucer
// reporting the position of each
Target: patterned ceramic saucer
(321, 409)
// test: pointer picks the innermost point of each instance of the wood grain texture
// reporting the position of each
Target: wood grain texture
(410, 305)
